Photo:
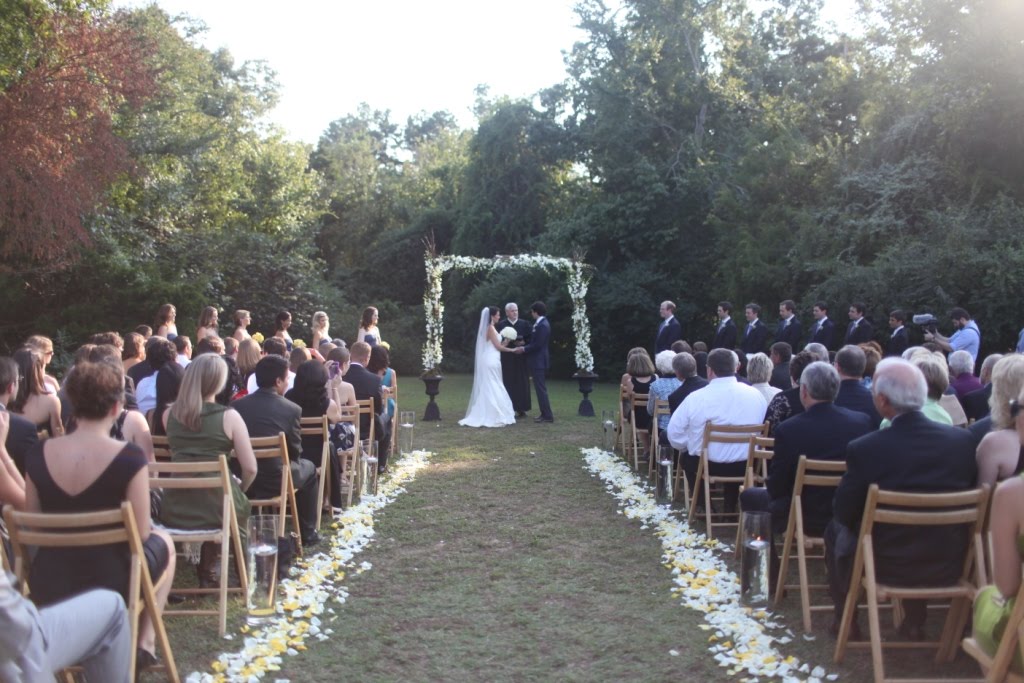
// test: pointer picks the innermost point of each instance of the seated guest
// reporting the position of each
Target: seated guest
(12, 483)
(230, 348)
(994, 603)
(850, 362)
(165, 322)
(961, 367)
(134, 352)
(821, 432)
(937, 379)
(872, 356)
(130, 425)
(34, 400)
(90, 629)
(249, 354)
(786, 404)
(367, 386)
(213, 344)
(87, 471)
(976, 402)
(723, 402)
(380, 364)
(44, 347)
(818, 352)
(183, 347)
(663, 387)
(110, 338)
(159, 352)
(340, 391)
(141, 370)
(274, 346)
(201, 430)
(701, 358)
(639, 377)
(297, 357)
(999, 454)
(145, 331)
(914, 454)
(782, 354)
(22, 435)
(685, 367)
(266, 412)
(681, 346)
(699, 347)
(759, 371)
(168, 384)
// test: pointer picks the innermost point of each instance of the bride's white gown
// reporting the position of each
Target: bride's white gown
(489, 403)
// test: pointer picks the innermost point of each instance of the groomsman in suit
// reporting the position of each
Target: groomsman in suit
(899, 340)
(514, 373)
(725, 334)
(756, 334)
(859, 330)
(670, 331)
(823, 328)
(789, 330)
(537, 359)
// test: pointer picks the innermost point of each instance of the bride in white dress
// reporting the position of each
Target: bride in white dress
(489, 404)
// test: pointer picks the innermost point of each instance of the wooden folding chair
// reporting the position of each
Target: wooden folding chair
(215, 478)
(719, 434)
(824, 474)
(83, 529)
(760, 450)
(637, 436)
(996, 667)
(161, 449)
(394, 416)
(916, 510)
(621, 440)
(268, 448)
(317, 426)
(348, 460)
(365, 408)
(660, 410)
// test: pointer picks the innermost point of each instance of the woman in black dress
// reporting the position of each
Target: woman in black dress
(88, 471)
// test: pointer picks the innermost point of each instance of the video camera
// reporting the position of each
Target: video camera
(927, 321)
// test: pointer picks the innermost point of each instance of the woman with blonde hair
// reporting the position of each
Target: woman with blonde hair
(200, 430)
(207, 324)
(759, 371)
(44, 346)
(320, 326)
(242, 321)
(32, 400)
(249, 354)
(164, 325)
(1000, 455)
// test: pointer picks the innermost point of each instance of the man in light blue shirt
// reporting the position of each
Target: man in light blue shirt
(966, 337)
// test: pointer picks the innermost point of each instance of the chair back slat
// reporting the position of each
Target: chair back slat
(161, 449)
(313, 426)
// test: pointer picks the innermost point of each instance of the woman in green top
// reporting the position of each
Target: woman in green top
(993, 604)
(200, 430)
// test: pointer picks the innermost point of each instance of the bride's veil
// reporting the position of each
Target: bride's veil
(478, 361)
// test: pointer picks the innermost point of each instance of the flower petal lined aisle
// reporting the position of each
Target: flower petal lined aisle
(304, 596)
(740, 638)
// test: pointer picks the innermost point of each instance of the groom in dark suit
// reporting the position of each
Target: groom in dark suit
(537, 359)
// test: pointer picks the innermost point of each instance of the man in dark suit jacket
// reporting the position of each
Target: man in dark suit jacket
(781, 355)
(514, 373)
(822, 330)
(899, 340)
(789, 330)
(756, 333)
(725, 334)
(367, 385)
(266, 412)
(670, 331)
(860, 329)
(850, 362)
(22, 435)
(914, 454)
(821, 432)
(537, 359)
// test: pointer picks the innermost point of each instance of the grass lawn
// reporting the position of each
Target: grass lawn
(506, 561)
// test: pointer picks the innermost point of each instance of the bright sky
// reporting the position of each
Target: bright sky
(403, 55)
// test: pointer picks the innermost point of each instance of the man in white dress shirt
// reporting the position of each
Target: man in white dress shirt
(724, 401)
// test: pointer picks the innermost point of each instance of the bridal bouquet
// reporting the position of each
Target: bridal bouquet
(509, 334)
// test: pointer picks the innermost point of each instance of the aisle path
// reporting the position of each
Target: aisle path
(506, 561)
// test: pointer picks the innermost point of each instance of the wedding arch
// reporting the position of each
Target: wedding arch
(577, 274)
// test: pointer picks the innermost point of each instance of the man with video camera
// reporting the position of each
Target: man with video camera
(967, 335)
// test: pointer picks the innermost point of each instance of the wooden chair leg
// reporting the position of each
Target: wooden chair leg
(849, 609)
(787, 545)
(707, 501)
(805, 591)
(696, 493)
(874, 620)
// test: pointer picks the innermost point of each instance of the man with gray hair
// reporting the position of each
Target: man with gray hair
(685, 367)
(818, 351)
(723, 402)
(961, 369)
(914, 454)
(514, 373)
(821, 432)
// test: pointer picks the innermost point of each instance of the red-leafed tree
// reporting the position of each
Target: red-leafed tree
(58, 149)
